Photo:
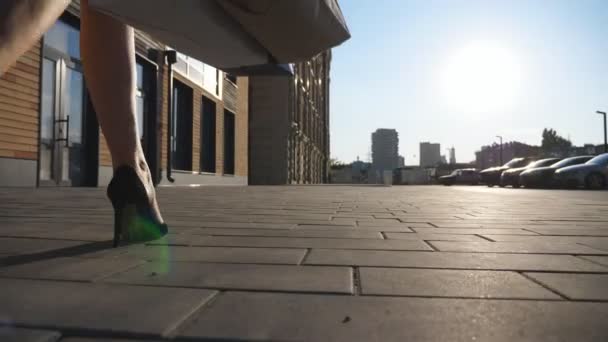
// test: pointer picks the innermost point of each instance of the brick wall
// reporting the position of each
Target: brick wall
(268, 129)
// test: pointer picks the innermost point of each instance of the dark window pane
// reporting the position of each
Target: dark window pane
(182, 127)
(208, 136)
(229, 143)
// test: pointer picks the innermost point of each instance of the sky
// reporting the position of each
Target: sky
(460, 72)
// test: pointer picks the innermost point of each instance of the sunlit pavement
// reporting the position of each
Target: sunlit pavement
(324, 263)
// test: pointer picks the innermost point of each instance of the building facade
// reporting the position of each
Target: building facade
(49, 135)
(289, 125)
(430, 154)
(385, 151)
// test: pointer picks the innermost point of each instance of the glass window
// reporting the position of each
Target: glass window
(140, 76)
(602, 159)
(47, 118)
(182, 127)
(229, 142)
(140, 98)
(74, 104)
(139, 110)
(198, 72)
(64, 38)
(208, 127)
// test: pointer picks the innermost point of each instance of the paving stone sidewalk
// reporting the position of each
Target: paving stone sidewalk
(313, 263)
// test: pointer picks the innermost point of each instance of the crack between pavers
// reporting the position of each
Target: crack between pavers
(545, 286)
(476, 298)
(582, 257)
(435, 249)
(483, 237)
(306, 254)
(67, 332)
(171, 331)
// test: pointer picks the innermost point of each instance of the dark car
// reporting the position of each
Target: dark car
(592, 175)
(511, 176)
(542, 177)
(461, 176)
(491, 176)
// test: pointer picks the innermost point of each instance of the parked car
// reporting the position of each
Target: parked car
(511, 176)
(461, 176)
(544, 176)
(491, 176)
(593, 174)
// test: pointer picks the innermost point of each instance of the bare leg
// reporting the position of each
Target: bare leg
(22, 22)
(108, 56)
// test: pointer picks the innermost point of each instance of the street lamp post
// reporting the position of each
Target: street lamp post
(605, 138)
(500, 137)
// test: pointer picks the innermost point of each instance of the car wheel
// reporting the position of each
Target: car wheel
(502, 185)
(490, 185)
(516, 185)
(595, 181)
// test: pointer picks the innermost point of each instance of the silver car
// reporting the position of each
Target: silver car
(593, 174)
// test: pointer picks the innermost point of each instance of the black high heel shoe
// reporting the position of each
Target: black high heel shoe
(134, 218)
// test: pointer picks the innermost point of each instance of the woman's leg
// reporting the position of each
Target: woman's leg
(108, 57)
(22, 22)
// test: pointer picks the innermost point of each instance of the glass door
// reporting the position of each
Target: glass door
(61, 122)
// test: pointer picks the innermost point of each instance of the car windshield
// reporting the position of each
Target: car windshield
(602, 159)
(570, 161)
(515, 162)
(544, 162)
(455, 173)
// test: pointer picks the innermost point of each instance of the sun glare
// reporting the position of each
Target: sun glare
(481, 77)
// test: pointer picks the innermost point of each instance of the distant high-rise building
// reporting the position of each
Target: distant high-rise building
(401, 162)
(452, 155)
(430, 154)
(385, 150)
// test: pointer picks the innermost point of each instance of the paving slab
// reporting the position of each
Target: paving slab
(447, 260)
(433, 237)
(576, 286)
(603, 260)
(75, 269)
(516, 247)
(241, 277)
(548, 239)
(597, 244)
(300, 246)
(19, 246)
(322, 233)
(450, 283)
(295, 317)
(280, 242)
(12, 334)
(220, 254)
(570, 231)
(472, 231)
(126, 309)
(402, 229)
